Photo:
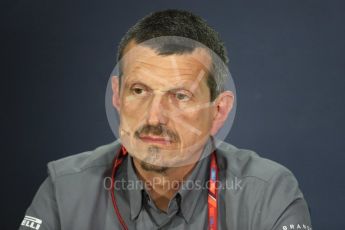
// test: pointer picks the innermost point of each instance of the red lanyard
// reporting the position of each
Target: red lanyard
(212, 190)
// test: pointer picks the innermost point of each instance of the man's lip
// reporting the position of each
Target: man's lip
(157, 140)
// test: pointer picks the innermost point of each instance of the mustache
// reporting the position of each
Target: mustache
(157, 130)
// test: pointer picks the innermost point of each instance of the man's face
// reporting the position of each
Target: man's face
(164, 105)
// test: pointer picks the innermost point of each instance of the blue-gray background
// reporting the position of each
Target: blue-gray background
(287, 61)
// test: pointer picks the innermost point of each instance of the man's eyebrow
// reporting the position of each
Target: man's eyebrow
(175, 89)
(131, 83)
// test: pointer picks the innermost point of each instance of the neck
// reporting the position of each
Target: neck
(164, 185)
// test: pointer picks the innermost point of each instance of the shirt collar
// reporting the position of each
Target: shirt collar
(135, 193)
(194, 185)
(189, 192)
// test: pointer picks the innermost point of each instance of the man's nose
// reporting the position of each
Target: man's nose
(156, 111)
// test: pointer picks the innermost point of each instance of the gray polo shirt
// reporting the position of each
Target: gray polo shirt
(255, 193)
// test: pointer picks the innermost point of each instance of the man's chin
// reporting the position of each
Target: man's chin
(153, 168)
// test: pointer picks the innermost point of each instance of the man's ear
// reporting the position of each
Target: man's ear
(222, 107)
(116, 94)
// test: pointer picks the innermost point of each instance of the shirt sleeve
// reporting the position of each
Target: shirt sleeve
(283, 205)
(42, 214)
(296, 216)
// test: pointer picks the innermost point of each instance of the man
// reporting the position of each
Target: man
(167, 171)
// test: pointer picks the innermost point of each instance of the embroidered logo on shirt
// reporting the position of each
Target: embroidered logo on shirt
(31, 222)
(296, 226)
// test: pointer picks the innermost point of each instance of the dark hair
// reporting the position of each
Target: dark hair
(182, 24)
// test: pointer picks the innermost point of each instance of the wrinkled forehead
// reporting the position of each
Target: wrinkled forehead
(142, 57)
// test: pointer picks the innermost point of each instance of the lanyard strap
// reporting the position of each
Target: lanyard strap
(117, 161)
(212, 190)
(213, 194)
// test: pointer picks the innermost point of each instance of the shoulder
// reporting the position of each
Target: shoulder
(99, 157)
(245, 163)
(267, 187)
(259, 175)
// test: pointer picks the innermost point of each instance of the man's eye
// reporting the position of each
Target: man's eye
(138, 91)
(182, 97)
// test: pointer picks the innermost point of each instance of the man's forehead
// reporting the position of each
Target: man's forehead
(141, 56)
